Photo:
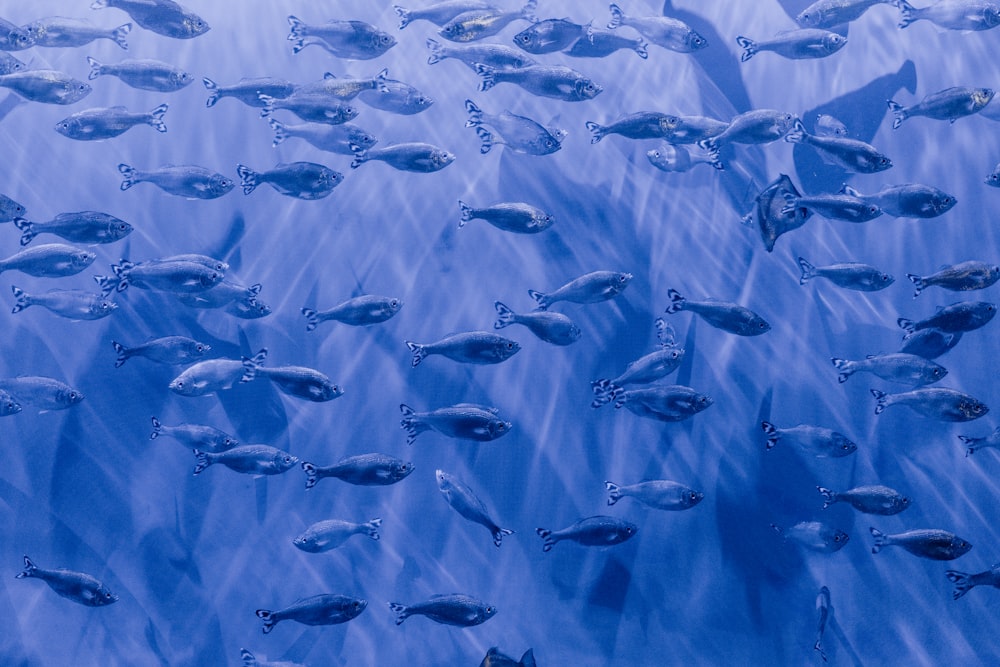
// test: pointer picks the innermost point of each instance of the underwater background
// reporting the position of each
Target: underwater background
(192, 557)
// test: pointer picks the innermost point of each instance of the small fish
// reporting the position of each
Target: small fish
(693, 129)
(937, 403)
(659, 494)
(164, 17)
(213, 375)
(99, 124)
(222, 294)
(171, 350)
(251, 309)
(964, 582)
(493, 55)
(66, 32)
(345, 88)
(188, 181)
(44, 393)
(302, 382)
(302, 180)
(76, 586)
(355, 40)
(362, 470)
(455, 609)
(814, 536)
(47, 86)
(168, 276)
(600, 44)
(50, 260)
(723, 315)
(551, 327)
(952, 14)
(470, 347)
(519, 133)
(759, 126)
(955, 318)
(324, 609)
(196, 436)
(248, 91)
(78, 227)
(972, 445)
(908, 369)
(550, 35)
(206, 261)
(769, 214)
(648, 368)
(949, 104)
(868, 499)
(670, 33)
(795, 44)
(396, 97)
(248, 459)
(8, 404)
(326, 535)
(816, 440)
(853, 155)
(9, 209)
(833, 206)
(153, 75)
(411, 156)
(13, 37)
(464, 421)
(592, 287)
(465, 501)
(593, 531)
(927, 543)
(666, 403)
(828, 126)
(909, 200)
(962, 277)
(71, 304)
(831, 13)
(359, 311)
(849, 275)
(312, 107)
(511, 217)
(332, 138)
(641, 125)
(930, 343)
(670, 158)
(494, 658)
(250, 660)
(993, 179)
(555, 81)
(475, 24)
(825, 610)
(438, 13)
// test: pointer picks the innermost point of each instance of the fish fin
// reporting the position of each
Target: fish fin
(898, 111)
(360, 156)
(380, 81)
(213, 89)
(791, 203)
(907, 11)
(249, 179)
(248, 658)
(371, 528)
(846, 189)
(106, 283)
(772, 434)
(311, 318)
(268, 618)
(808, 271)
(28, 571)
(96, 68)
(641, 49)
(598, 131)
(605, 391)
(418, 352)
(403, 14)
(27, 228)
(505, 316)
(156, 118)
(798, 134)
(499, 533)
(467, 213)
(962, 581)
(122, 353)
(411, 424)
(486, 140)
(268, 105)
(528, 11)
(119, 33)
(475, 114)
(129, 176)
(540, 298)
(252, 364)
(880, 540)
(401, 611)
(21, 299)
(909, 326)
(436, 54)
(546, 535)
(528, 659)
(845, 367)
(157, 429)
(749, 51)
(280, 132)
(99, 4)
(676, 302)
(488, 75)
(918, 284)
(203, 461)
(829, 497)
(614, 492)
(970, 444)
(311, 476)
(617, 16)
(880, 400)
(666, 337)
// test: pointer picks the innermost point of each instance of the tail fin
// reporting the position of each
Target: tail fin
(640, 49)
(829, 497)
(360, 156)
(312, 320)
(28, 571)
(380, 79)
(99, 4)
(96, 68)
(880, 400)
(710, 144)
(296, 33)
(962, 581)
(898, 111)
(156, 118)
(845, 367)
(505, 316)
(213, 89)
(808, 271)
(157, 429)
(498, 534)
(467, 213)
(488, 75)
(437, 54)
(119, 33)
(546, 535)
(971, 444)
(676, 302)
(418, 352)
(129, 176)
(880, 540)
(371, 528)
(713, 159)
(280, 132)
(252, 364)
(311, 475)
(605, 391)
(411, 424)
(599, 131)
(248, 178)
(401, 611)
(27, 230)
(617, 16)
(268, 618)
(665, 334)
(918, 282)
(475, 114)
(614, 492)
(791, 203)
(540, 298)
(122, 273)
(248, 658)
(772, 434)
(203, 462)
(268, 103)
(123, 354)
(749, 50)
(907, 11)
(528, 11)
(20, 299)
(909, 326)
(106, 283)
(403, 14)
(798, 133)
(486, 140)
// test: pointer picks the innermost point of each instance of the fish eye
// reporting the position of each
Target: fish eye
(394, 303)
(885, 276)
(693, 495)
(675, 354)
(287, 459)
(82, 86)
(510, 346)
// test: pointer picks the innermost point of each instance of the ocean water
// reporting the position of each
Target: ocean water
(192, 557)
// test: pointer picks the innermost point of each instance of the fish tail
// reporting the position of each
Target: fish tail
(403, 14)
(297, 29)
(486, 140)
(640, 49)
(791, 203)
(909, 326)
(268, 108)
(488, 75)
(908, 12)
(808, 271)
(27, 228)
(614, 492)
(437, 54)
(528, 11)
(962, 581)
(898, 111)
(676, 302)
(713, 159)
(248, 658)
(123, 354)
(505, 316)
(665, 334)
(157, 429)
(96, 68)
(401, 611)
(311, 476)
(251, 365)
(798, 133)
(119, 33)
(371, 528)
(598, 131)
(709, 144)
(106, 283)
(129, 176)
(99, 4)
(971, 444)
(249, 178)
(411, 424)
(540, 298)
(880, 540)
(772, 434)
(475, 114)
(312, 319)
(617, 16)
(845, 367)
(749, 50)
(360, 156)
(498, 534)
(605, 391)
(881, 400)
(204, 460)
(829, 497)
(380, 81)
(122, 271)
(156, 118)
(22, 300)
(549, 541)
(918, 283)
(467, 213)
(29, 569)
(418, 352)
(213, 90)
(268, 618)
(280, 132)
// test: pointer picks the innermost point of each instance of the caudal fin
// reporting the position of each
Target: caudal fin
(96, 68)
(467, 213)
(311, 474)
(252, 364)
(475, 114)
(908, 13)
(280, 132)
(268, 618)
(488, 75)
(403, 14)
(617, 16)
(808, 271)
(605, 391)
(676, 301)
(312, 318)
(129, 176)
(411, 424)
(505, 316)
(296, 33)
(845, 367)
(880, 540)
(28, 571)
(249, 179)
(437, 54)
(203, 462)
(898, 111)
(213, 90)
(598, 131)
(20, 299)
(498, 534)
(749, 50)
(829, 497)
(27, 230)
(971, 444)
(909, 326)
(797, 135)
(540, 298)
(360, 156)
(401, 611)
(248, 658)
(614, 492)
(123, 355)
(418, 352)
(881, 400)
(546, 536)
(371, 528)
(156, 118)
(485, 140)
(157, 429)
(918, 283)
(772, 434)
(962, 581)
(119, 33)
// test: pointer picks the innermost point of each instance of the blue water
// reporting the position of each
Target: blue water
(192, 558)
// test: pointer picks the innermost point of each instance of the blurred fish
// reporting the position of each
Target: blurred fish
(303, 180)
(326, 535)
(670, 158)
(143, 74)
(78, 227)
(71, 304)
(769, 214)
(454, 609)
(961, 277)
(993, 179)
(964, 582)
(692, 129)
(795, 44)
(8, 404)
(600, 44)
(313, 107)
(164, 17)
(849, 275)
(957, 317)
(641, 125)
(470, 347)
(908, 369)
(476, 24)
(62, 32)
(213, 375)
(44, 393)
(251, 309)
(248, 459)
(952, 14)
(670, 33)
(759, 126)
(551, 327)
(833, 206)
(927, 543)
(10, 209)
(250, 660)
(13, 37)
(648, 368)
(832, 13)
(362, 470)
(76, 586)
(550, 35)
(816, 440)
(324, 609)
(494, 658)
(167, 276)
(555, 81)
(666, 403)
(49, 260)
(396, 97)
(515, 217)
(973, 445)
(949, 104)
(412, 156)
(592, 287)
(593, 531)
(206, 261)
(195, 436)
(909, 200)
(359, 311)
(355, 40)
(519, 133)
(222, 294)
(868, 499)
(659, 494)
(828, 126)
(729, 317)
(302, 382)
(344, 89)
(188, 181)
(814, 536)
(464, 421)
(850, 154)
(930, 343)
(104, 123)
(170, 350)
(825, 610)
(248, 91)
(937, 403)
(331, 138)
(438, 13)
(44, 85)
(493, 55)
(465, 501)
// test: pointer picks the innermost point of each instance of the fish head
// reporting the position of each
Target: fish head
(419, 102)
(993, 179)
(330, 391)
(10, 209)
(943, 202)
(444, 481)
(620, 281)
(507, 348)
(69, 397)
(991, 16)
(400, 469)
(499, 427)
(842, 446)
(694, 41)
(362, 139)
(668, 123)
(549, 143)
(936, 373)
(973, 409)
(587, 89)
(692, 497)
(902, 502)
(306, 542)
(68, 127)
(453, 31)
(119, 229)
(345, 113)
(834, 42)
(19, 38)
(882, 163)
(959, 547)
(210, 278)
(192, 26)
(180, 79)
(220, 185)
(838, 539)
(352, 607)
(981, 97)
(334, 178)
(884, 280)
(284, 461)
(103, 597)
(82, 259)
(184, 385)
(103, 308)
(250, 310)
(73, 91)
(809, 18)
(442, 158)
(701, 402)
(542, 220)
(664, 157)
(757, 325)
(624, 531)
(393, 305)
(8, 405)
(383, 41)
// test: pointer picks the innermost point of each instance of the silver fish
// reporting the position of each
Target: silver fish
(520, 133)
(868, 499)
(908, 369)
(494, 658)
(814, 536)
(670, 33)
(849, 275)
(973, 445)
(476, 24)
(324, 609)
(954, 318)
(78, 227)
(965, 582)
(332, 533)
(331, 138)
(302, 180)
(465, 501)
(515, 217)
(641, 125)
(312, 107)
(168, 276)
(493, 55)
(343, 88)
(362, 470)
(670, 158)
(949, 104)
(13, 37)
(909, 200)
(930, 343)
(195, 436)
(71, 304)
(850, 154)
(795, 44)
(461, 610)
(48, 86)
(830, 13)
(171, 350)
(248, 459)
(98, 124)
(551, 327)
(79, 587)
(667, 403)
(729, 317)
(993, 179)
(464, 421)
(164, 17)
(952, 14)
(10, 209)
(411, 156)
(396, 97)
(222, 294)
(555, 81)
(50, 260)
(759, 126)
(360, 311)
(302, 382)
(825, 610)
(550, 35)
(188, 181)
(834, 206)
(438, 13)
(647, 368)
(356, 40)
(936, 402)
(816, 440)
(151, 75)
(67, 32)
(44, 393)
(600, 44)
(927, 543)
(593, 531)
(8, 404)
(213, 375)
(828, 126)
(592, 287)
(248, 91)
(470, 347)
(962, 277)
(659, 494)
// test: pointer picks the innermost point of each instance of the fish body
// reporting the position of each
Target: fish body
(795, 44)
(361, 470)
(343, 89)
(551, 327)
(311, 106)
(195, 436)
(464, 421)
(815, 536)
(302, 180)
(248, 91)
(170, 350)
(600, 44)
(955, 318)
(927, 543)
(515, 217)
(396, 97)
(909, 200)
(410, 156)
(213, 375)
(497, 56)
(592, 287)
(79, 587)
(164, 17)
(670, 33)
(44, 393)
(494, 658)
(729, 317)
(908, 369)
(952, 14)
(151, 75)
(593, 531)
(964, 582)
(98, 124)
(47, 86)
(302, 382)
(190, 181)
(758, 126)
(549, 35)
(77, 227)
(465, 501)
(693, 129)
(670, 158)
(461, 610)
(248, 459)
(332, 138)
(58, 31)
(868, 499)
(936, 402)
(222, 294)
(326, 535)
(167, 276)
(972, 445)
(825, 609)
(470, 347)
(71, 304)
(519, 133)
(248, 309)
(475, 24)
(962, 277)
(641, 125)
(828, 126)
(659, 494)
(355, 40)
(850, 154)
(667, 403)
(555, 81)
(360, 311)
(930, 343)
(949, 104)
(834, 206)
(831, 13)
(816, 440)
(50, 260)
(438, 13)
(324, 609)
(849, 275)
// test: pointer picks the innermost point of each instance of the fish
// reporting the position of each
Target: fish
(641, 125)
(795, 44)
(46, 86)
(332, 138)
(833, 206)
(164, 17)
(465, 501)
(79, 587)
(965, 582)
(42, 392)
(592, 287)
(729, 317)
(831, 13)
(515, 217)
(332, 533)
(549, 36)
(396, 97)
(168, 276)
(909, 200)
(972, 445)
(693, 129)
(758, 126)
(600, 44)
(670, 33)
(961, 277)
(475, 24)
(10, 210)
(302, 180)
(455, 609)
(13, 37)
(930, 343)
(952, 14)
(769, 214)
(993, 179)
(659, 494)
(323, 609)
(519, 133)
(71, 304)
(593, 531)
(850, 154)
(170, 350)
(644, 370)
(250, 660)
(195, 258)
(935, 544)
(355, 40)
(825, 610)
(67, 32)
(469, 347)
(936, 402)
(670, 158)
(154, 75)
(494, 55)
(222, 294)
(190, 181)
(828, 126)
(49, 260)
(666, 403)
(77, 227)
(868, 499)
(248, 91)
(248, 459)
(214, 375)
(494, 658)
(344, 89)
(313, 107)
(958, 317)
(816, 440)
(908, 369)
(551, 327)
(302, 382)
(410, 156)
(815, 536)
(438, 13)
(359, 311)
(849, 275)
(105, 123)
(196, 436)
(8, 404)
(464, 421)
(554, 81)
(362, 470)
(251, 309)
(949, 104)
